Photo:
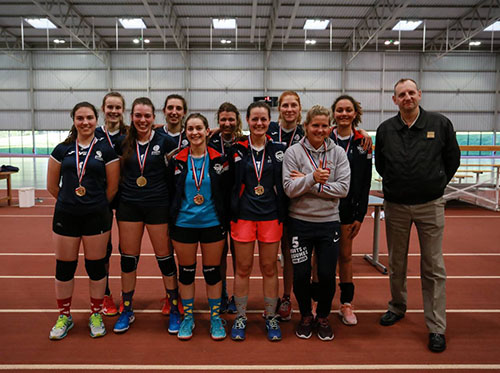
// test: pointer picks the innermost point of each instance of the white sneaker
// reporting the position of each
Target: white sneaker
(346, 312)
(96, 325)
(60, 329)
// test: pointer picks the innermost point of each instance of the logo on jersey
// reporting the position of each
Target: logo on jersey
(178, 170)
(156, 150)
(279, 155)
(297, 137)
(361, 150)
(218, 168)
(237, 157)
(274, 133)
(98, 155)
(184, 143)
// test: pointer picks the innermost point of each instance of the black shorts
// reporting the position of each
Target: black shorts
(145, 214)
(67, 224)
(194, 235)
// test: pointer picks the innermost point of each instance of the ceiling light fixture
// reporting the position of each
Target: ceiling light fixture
(59, 41)
(316, 24)
(388, 42)
(136, 41)
(396, 42)
(224, 23)
(224, 41)
(474, 43)
(132, 23)
(406, 25)
(493, 27)
(310, 41)
(41, 23)
(146, 41)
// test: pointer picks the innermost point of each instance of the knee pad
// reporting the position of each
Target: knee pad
(187, 274)
(129, 262)
(167, 265)
(65, 271)
(96, 269)
(212, 274)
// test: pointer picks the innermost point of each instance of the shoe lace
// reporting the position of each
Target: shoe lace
(347, 309)
(285, 304)
(216, 323)
(240, 322)
(61, 322)
(96, 320)
(273, 323)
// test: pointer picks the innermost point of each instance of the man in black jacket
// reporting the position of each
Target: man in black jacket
(417, 154)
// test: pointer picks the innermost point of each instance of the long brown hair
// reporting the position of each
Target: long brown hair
(122, 127)
(230, 108)
(357, 108)
(184, 105)
(131, 137)
(73, 133)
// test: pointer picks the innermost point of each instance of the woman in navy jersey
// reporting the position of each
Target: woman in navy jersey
(144, 205)
(113, 106)
(82, 175)
(347, 114)
(199, 206)
(315, 176)
(229, 131)
(258, 208)
(175, 109)
(289, 131)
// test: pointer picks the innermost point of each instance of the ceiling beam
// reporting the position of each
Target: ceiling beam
(172, 20)
(12, 43)
(155, 21)
(254, 21)
(67, 18)
(271, 29)
(291, 20)
(465, 28)
(379, 18)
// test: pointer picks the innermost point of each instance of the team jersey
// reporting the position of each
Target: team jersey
(192, 215)
(93, 180)
(155, 192)
(218, 143)
(111, 137)
(179, 138)
(288, 137)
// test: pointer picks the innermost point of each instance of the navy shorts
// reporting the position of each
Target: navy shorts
(194, 235)
(144, 214)
(67, 224)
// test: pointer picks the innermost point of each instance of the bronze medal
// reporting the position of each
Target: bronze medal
(141, 181)
(198, 199)
(259, 190)
(80, 191)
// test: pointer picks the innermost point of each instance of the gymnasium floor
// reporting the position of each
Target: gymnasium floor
(28, 310)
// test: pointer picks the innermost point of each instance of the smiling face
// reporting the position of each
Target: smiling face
(174, 112)
(85, 122)
(344, 113)
(143, 118)
(317, 130)
(196, 132)
(258, 121)
(407, 96)
(289, 110)
(227, 123)
(113, 111)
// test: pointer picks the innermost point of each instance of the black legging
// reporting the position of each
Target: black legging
(323, 238)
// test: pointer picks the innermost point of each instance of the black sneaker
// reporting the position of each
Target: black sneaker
(325, 332)
(305, 327)
(437, 342)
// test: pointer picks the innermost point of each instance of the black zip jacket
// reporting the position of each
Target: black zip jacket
(354, 206)
(239, 152)
(416, 163)
(219, 182)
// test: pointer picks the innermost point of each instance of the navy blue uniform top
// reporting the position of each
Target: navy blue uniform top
(155, 192)
(179, 139)
(94, 179)
(218, 143)
(100, 132)
(279, 135)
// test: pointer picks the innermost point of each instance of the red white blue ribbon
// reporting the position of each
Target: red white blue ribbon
(313, 162)
(81, 171)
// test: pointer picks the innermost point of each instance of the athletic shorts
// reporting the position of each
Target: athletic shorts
(67, 224)
(194, 235)
(264, 231)
(144, 214)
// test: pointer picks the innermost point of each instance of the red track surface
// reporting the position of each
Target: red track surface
(28, 310)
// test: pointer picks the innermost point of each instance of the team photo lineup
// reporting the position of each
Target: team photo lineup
(296, 187)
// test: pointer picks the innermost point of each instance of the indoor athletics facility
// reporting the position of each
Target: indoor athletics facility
(58, 53)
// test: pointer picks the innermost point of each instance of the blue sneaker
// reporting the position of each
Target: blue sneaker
(174, 322)
(126, 318)
(238, 329)
(231, 306)
(186, 328)
(217, 331)
(273, 329)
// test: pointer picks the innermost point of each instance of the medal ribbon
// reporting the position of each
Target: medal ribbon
(258, 171)
(81, 172)
(107, 135)
(143, 163)
(337, 140)
(291, 138)
(313, 162)
(197, 182)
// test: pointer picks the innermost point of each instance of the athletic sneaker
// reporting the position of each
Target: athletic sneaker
(126, 318)
(120, 309)
(61, 328)
(96, 325)
(186, 328)
(174, 323)
(305, 327)
(238, 329)
(325, 332)
(217, 331)
(231, 306)
(165, 308)
(108, 306)
(346, 312)
(285, 309)
(273, 329)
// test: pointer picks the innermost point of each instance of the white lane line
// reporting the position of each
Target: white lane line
(256, 367)
(380, 277)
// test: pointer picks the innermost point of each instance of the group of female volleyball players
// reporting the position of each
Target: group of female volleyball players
(299, 185)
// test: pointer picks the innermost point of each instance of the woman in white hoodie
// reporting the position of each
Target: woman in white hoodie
(316, 175)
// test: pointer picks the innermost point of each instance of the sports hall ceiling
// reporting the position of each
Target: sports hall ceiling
(355, 25)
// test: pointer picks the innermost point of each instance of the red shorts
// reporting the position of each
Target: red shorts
(264, 231)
